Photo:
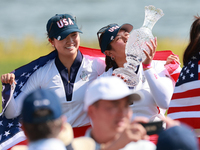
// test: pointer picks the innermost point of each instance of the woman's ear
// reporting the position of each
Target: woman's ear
(108, 53)
(51, 41)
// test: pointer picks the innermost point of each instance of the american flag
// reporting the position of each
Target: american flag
(185, 103)
(10, 131)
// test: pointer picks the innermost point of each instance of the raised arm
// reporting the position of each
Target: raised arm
(160, 83)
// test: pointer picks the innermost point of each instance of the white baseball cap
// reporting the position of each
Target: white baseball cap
(109, 88)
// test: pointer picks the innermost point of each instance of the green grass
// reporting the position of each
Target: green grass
(15, 53)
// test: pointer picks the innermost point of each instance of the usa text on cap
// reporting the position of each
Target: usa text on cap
(61, 25)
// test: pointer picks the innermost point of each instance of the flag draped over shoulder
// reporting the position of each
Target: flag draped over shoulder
(10, 131)
(185, 103)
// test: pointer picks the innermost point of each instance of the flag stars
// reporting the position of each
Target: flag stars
(187, 71)
(3, 87)
(1, 123)
(183, 78)
(15, 94)
(35, 68)
(194, 57)
(23, 74)
(19, 124)
(185, 68)
(16, 81)
(21, 84)
(7, 133)
(28, 75)
(192, 75)
(10, 125)
(3, 100)
(192, 65)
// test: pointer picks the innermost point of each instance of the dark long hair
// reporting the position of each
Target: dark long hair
(109, 62)
(194, 45)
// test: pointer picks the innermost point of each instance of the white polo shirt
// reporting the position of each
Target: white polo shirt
(48, 77)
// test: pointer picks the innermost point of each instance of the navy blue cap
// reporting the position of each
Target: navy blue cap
(110, 33)
(177, 138)
(61, 25)
(41, 99)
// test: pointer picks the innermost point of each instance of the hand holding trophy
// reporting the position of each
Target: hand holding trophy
(136, 44)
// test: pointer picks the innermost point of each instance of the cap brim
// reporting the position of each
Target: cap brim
(66, 135)
(127, 27)
(132, 97)
(136, 96)
(83, 143)
(65, 33)
(19, 147)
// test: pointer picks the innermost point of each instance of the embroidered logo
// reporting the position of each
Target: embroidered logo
(64, 22)
(84, 75)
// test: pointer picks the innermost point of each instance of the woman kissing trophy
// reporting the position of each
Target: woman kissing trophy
(136, 44)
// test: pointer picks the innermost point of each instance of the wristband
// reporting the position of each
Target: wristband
(146, 66)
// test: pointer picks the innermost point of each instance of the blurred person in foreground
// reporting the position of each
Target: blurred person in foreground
(45, 126)
(177, 136)
(185, 102)
(42, 120)
(107, 101)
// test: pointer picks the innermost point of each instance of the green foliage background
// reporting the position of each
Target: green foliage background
(15, 53)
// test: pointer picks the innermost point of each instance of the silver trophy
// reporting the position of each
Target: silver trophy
(136, 44)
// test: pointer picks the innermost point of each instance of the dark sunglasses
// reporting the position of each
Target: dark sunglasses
(103, 29)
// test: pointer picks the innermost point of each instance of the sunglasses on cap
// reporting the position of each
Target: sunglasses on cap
(109, 32)
(103, 29)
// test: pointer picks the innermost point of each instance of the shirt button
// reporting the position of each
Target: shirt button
(68, 81)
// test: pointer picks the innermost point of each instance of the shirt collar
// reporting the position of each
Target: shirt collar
(76, 62)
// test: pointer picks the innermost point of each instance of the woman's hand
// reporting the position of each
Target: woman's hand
(150, 56)
(120, 76)
(8, 78)
(172, 58)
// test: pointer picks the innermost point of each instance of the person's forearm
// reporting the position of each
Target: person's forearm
(161, 88)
